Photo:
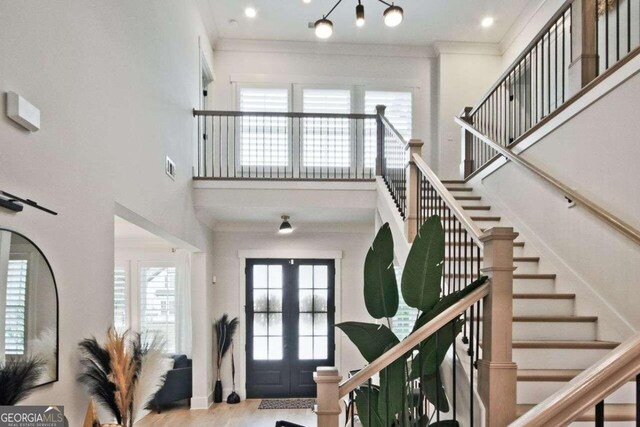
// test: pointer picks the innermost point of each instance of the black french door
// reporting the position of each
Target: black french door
(290, 319)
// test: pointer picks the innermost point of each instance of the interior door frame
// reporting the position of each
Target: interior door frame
(241, 336)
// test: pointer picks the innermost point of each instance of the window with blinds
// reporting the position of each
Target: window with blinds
(264, 140)
(399, 112)
(158, 304)
(16, 307)
(120, 291)
(326, 141)
(402, 323)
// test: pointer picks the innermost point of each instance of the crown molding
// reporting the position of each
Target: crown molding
(467, 48)
(323, 48)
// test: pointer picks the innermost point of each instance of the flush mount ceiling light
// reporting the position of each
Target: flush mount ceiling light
(306, 1)
(487, 22)
(393, 16)
(250, 12)
(285, 227)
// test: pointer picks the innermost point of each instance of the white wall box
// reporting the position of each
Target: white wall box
(23, 112)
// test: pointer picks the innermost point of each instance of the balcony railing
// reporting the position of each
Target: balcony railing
(583, 40)
(298, 146)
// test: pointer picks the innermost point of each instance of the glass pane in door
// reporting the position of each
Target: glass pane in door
(313, 323)
(267, 308)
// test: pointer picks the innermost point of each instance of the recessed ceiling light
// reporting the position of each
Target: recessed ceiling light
(306, 1)
(487, 22)
(250, 12)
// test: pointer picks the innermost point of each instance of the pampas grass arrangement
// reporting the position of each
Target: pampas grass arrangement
(44, 347)
(17, 379)
(122, 376)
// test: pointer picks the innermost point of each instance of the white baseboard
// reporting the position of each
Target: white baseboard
(201, 402)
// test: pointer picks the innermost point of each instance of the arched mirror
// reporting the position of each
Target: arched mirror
(29, 309)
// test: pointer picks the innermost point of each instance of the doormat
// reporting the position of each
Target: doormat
(287, 404)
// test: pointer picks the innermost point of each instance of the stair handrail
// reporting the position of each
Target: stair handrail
(618, 224)
(588, 389)
(413, 340)
(474, 231)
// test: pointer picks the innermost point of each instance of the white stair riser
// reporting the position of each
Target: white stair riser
(554, 358)
(536, 391)
(533, 286)
(543, 307)
(554, 331)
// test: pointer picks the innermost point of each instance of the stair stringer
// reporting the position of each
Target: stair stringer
(611, 325)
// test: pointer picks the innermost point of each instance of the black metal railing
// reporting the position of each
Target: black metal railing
(537, 83)
(463, 261)
(532, 88)
(617, 30)
(395, 158)
(304, 146)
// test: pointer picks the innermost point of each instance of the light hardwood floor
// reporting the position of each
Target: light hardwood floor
(244, 414)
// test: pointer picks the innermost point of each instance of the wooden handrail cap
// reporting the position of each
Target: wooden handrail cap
(498, 233)
(415, 143)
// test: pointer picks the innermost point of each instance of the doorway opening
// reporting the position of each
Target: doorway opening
(290, 315)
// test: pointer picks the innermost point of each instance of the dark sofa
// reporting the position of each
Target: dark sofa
(177, 386)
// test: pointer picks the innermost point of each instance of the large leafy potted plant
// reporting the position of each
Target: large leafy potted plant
(389, 404)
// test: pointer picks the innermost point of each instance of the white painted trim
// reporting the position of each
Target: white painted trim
(288, 254)
(242, 298)
(201, 402)
(467, 48)
(282, 79)
(316, 48)
(260, 185)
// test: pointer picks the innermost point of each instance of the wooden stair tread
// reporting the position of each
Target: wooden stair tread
(549, 375)
(544, 296)
(477, 208)
(515, 258)
(515, 244)
(612, 412)
(485, 218)
(461, 198)
(583, 345)
(459, 189)
(515, 276)
(452, 181)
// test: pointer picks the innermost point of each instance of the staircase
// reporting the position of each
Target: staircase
(551, 343)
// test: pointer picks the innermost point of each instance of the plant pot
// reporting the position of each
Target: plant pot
(217, 392)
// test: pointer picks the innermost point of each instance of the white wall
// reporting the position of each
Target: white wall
(596, 153)
(375, 67)
(465, 74)
(230, 280)
(535, 16)
(115, 82)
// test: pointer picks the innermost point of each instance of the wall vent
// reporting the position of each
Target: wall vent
(170, 168)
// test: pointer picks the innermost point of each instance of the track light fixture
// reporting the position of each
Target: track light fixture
(393, 16)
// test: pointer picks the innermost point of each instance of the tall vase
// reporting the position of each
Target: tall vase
(217, 392)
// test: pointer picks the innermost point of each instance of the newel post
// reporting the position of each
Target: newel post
(584, 49)
(380, 110)
(328, 400)
(497, 373)
(467, 165)
(413, 186)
